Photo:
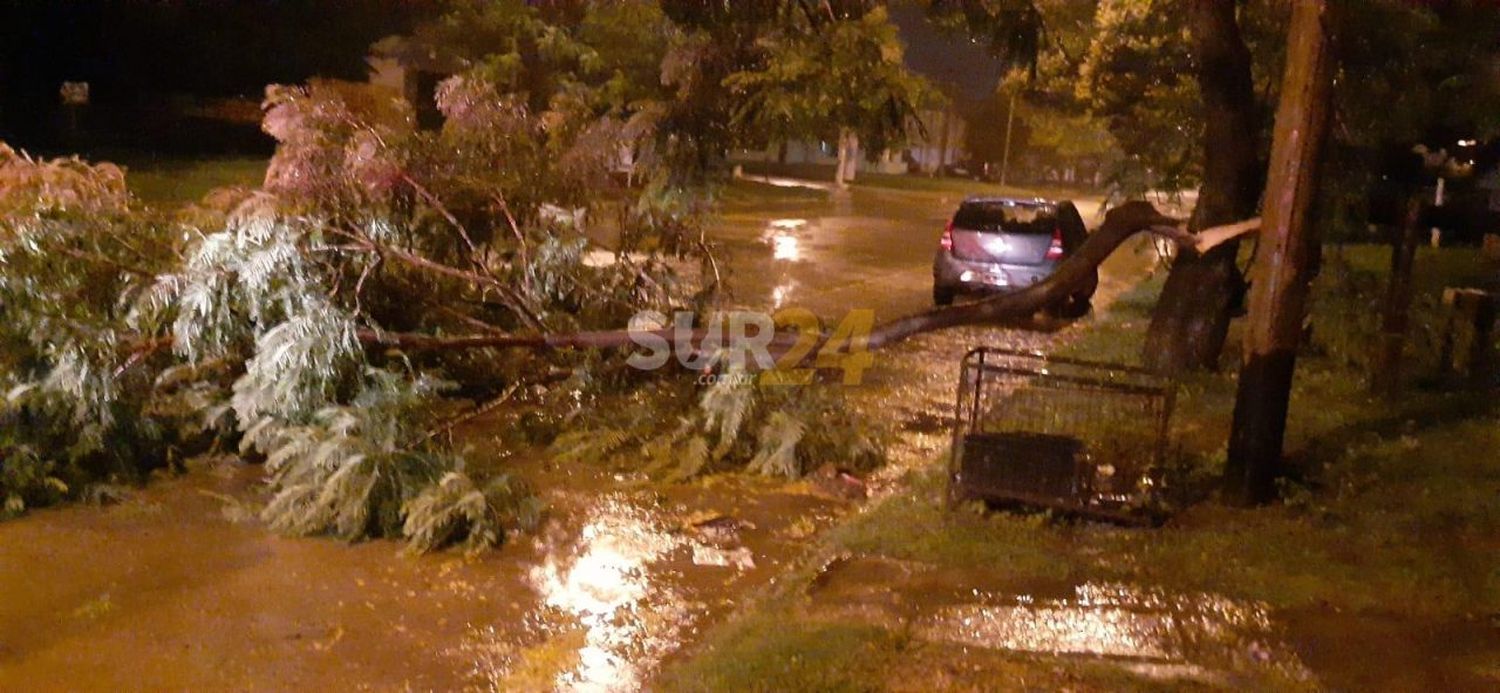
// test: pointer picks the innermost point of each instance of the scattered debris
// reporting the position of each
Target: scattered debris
(715, 528)
(739, 558)
(839, 483)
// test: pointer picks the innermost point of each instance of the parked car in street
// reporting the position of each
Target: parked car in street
(1008, 243)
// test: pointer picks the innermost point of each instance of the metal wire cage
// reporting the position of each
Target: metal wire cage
(1072, 435)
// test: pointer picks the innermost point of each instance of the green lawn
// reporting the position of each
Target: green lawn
(909, 182)
(175, 182)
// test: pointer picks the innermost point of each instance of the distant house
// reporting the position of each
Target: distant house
(942, 143)
(413, 72)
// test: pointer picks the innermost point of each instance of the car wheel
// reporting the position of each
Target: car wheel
(942, 295)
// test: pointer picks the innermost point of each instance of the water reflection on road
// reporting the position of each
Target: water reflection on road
(605, 588)
(1152, 633)
(624, 577)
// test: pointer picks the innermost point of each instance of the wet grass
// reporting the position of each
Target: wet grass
(823, 173)
(782, 649)
(763, 655)
(1393, 513)
(176, 182)
(751, 193)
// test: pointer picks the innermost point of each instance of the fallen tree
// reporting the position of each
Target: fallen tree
(339, 320)
(133, 338)
(1120, 224)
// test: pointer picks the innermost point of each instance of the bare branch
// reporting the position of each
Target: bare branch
(442, 209)
(1212, 237)
(466, 416)
(509, 297)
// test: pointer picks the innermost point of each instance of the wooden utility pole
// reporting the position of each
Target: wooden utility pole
(1010, 122)
(1289, 250)
(943, 140)
(1385, 376)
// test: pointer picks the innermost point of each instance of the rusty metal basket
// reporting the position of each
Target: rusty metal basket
(1075, 436)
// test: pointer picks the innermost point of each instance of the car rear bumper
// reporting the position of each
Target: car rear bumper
(968, 275)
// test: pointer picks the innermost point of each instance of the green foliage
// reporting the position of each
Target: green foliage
(1137, 73)
(258, 312)
(1012, 29)
(1126, 66)
(455, 511)
(817, 77)
(737, 422)
(27, 480)
(776, 443)
(75, 254)
(315, 319)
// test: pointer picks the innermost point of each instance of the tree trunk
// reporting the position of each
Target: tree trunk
(839, 168)
(1385, 373)
(851, 164)
(1191, 321)
(1284, 272)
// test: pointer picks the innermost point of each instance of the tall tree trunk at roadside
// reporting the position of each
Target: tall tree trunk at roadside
(851, 162)
(1289, 253)
(1191, 320)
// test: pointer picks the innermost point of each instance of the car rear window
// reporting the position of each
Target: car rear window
(1009, 217)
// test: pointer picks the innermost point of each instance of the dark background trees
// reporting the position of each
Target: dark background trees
(135, 54)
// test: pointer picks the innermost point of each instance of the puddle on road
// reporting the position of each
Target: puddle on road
(628, 572)
(1162, 637)
(1203, 638)
(784, 237)
(604, 618)
(1199, 636)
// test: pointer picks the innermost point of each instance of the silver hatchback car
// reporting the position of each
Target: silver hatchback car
(1005, 244)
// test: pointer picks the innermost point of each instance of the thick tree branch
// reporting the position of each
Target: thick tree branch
(509, 297)
(1119, 225)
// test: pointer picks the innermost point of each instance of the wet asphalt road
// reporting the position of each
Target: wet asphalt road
(835, 252)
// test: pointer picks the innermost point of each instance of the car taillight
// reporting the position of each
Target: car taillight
(1055, 251)
(947, 240)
